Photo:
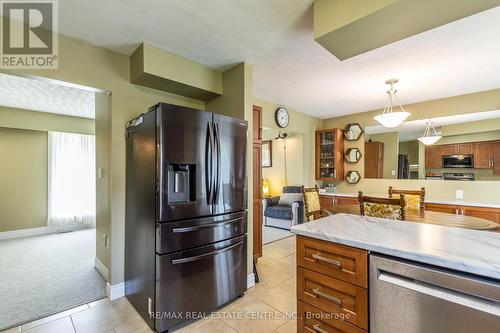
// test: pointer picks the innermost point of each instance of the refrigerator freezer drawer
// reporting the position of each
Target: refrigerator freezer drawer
(199, 280)
(177, 236)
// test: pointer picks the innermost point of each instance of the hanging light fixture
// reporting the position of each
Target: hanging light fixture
(430, 135)
(389, 118)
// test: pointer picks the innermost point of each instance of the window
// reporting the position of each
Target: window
(71, 179)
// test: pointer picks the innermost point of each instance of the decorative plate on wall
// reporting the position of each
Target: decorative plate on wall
(353, 155)
(353, 132)
(352, 177)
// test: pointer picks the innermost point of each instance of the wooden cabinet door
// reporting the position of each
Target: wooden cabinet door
(326, 201)
(434, 157)
(449, 209)
(490, 214)
(257, 182)
(330, 155)
(496, 158)
(464, 149)
(450, 149)
(374, 160)
(257, 123)
(346, 201)
(483, 155)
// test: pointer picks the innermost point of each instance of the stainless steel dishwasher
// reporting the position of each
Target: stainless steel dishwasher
(408, 297)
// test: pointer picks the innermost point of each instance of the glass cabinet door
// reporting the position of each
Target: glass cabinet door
(327, 155)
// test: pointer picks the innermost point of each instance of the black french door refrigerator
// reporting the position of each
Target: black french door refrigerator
(186, 219)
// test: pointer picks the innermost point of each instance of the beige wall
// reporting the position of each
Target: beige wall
(471, 137)
(479, 126)
(410, 148)
(34, 120)
(24, 151)
(88, 65)
(23, 179)
(480, 191)
(103, 154)
(300, 123)
(294, 161)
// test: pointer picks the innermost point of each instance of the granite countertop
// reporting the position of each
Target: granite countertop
(465, 250)
(436, 200)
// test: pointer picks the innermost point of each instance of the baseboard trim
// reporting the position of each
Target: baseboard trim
(101, 268)
(115, 291)
(118, 290)
(29, 232)
(250, 280)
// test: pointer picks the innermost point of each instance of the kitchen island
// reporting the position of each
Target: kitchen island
(358, 273)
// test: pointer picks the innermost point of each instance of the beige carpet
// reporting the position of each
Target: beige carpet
(43, 275)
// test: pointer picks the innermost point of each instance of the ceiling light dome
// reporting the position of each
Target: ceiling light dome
(390, 118)
(430, 135)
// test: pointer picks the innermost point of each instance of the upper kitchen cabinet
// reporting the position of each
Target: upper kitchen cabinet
(464, 149)
(496, 158)
(458, 149)
(330, 155)
(433, 156)
(483, 155)
(450, 150)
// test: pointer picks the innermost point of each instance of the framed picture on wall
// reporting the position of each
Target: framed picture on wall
(267, 154)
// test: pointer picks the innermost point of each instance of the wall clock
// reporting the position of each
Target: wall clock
(281, 117)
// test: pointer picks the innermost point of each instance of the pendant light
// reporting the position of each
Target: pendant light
(389, 118)
(430, 135)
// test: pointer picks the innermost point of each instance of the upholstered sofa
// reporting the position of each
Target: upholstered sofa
(285, 214)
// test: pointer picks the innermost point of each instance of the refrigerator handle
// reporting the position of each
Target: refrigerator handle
(208, 162)
(218, 163)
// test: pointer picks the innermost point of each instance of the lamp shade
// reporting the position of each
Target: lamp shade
(265, 187)
(430, 136)
(392, 119)
(429, 140)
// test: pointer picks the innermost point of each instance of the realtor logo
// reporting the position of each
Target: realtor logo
(29, 35)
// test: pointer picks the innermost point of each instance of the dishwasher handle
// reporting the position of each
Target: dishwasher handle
(449, 295)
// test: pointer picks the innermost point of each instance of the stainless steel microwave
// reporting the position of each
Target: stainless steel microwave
(458, 161)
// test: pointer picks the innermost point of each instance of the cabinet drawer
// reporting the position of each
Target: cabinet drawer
(341, 262)
(333, 296)
(312, 320)
(346, 201)
(326, 201)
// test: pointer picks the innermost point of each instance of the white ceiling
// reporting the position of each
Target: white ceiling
(410, 130)
(35, 95)
(289, 67)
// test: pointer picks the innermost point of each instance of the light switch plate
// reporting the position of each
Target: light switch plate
(459, 194)
(393, 172)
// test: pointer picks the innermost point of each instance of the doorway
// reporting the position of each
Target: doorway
(48, 199)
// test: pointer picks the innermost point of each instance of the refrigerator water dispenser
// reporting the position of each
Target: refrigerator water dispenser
(179, 182)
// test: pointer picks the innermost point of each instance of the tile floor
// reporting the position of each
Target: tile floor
(266, 308)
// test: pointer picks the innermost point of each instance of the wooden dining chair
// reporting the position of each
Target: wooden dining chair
(387, 208)
(312, 204)
(415, 199)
